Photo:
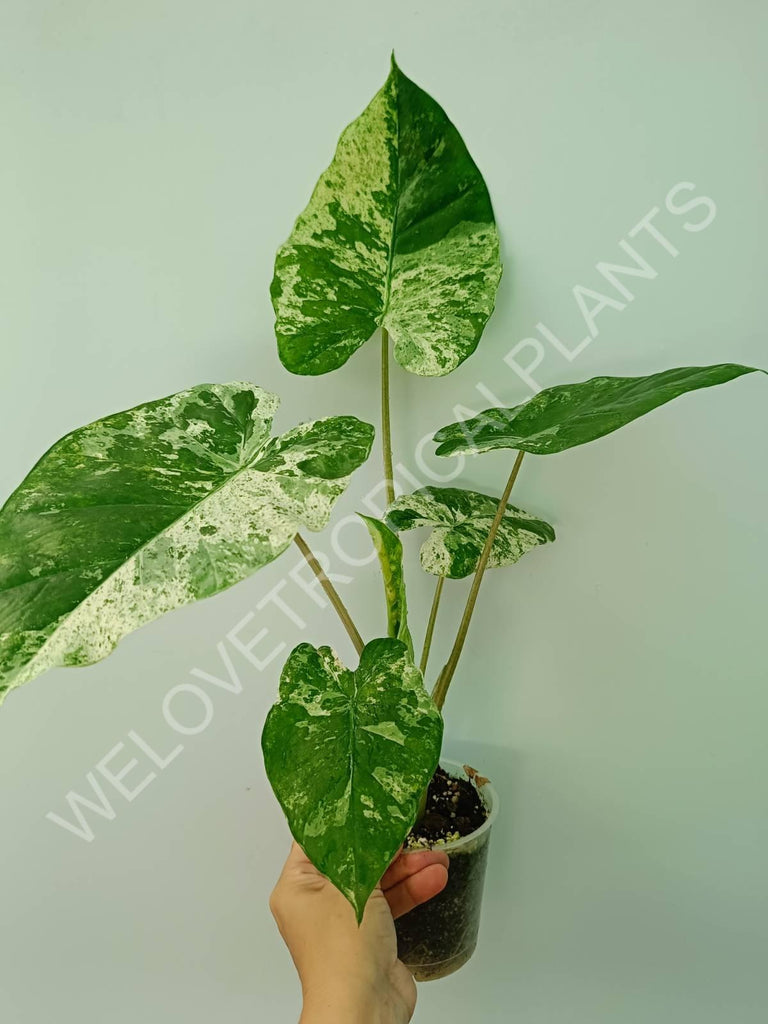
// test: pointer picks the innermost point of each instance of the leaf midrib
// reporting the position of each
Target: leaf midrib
(391, 253)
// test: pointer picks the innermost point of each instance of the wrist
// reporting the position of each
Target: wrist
(338, 1006)
(348, 1001)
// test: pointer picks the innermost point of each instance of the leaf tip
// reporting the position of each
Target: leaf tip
(359, 912)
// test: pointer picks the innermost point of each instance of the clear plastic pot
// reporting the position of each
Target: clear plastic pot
(438, 938)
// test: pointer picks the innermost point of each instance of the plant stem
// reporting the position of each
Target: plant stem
(431, 624)
(445, 677)
(331, 592)
(386, 432)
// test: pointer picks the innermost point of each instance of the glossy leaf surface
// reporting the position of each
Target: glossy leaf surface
(460, 522)
(146, 510)
(399, 233)
(390, 552)
(348, 754)
(573, 414)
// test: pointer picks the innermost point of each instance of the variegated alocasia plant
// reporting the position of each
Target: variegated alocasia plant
(172, 501)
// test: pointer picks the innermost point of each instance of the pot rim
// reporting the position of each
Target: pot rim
(490, 799)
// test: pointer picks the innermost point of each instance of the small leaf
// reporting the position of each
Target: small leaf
(572, 414)
(348, 754)
(149, 509)
(399, 233)
(461, 520)
(390, 552)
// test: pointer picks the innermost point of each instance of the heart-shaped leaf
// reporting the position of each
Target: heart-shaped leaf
(149, 509)
(348, 754)
(399, 233)
(390, 552)
(461, 521)
(572, 414)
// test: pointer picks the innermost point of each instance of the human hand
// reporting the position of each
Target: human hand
(351, 974)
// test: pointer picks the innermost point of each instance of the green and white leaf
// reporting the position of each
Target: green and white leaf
(399, 233)
(460, 522)
(149, 509)
(572, 414)
(348, 754)
(390, 552)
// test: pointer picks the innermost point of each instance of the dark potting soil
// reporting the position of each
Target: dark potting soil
(436, 938)
(454, 809)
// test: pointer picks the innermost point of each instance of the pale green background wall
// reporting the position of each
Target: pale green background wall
(155, 154)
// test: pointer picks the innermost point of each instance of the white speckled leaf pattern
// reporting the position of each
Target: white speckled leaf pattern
(149, 509)
(460, 522)
(348, 754)
(568, 415)
(399, 233)
(390, 552)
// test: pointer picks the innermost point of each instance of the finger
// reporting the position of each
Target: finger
(394, 860)
(409, 863)
(416, 889)
(296, 856)
(298, 864)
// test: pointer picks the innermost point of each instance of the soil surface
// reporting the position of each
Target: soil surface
(454, 809)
